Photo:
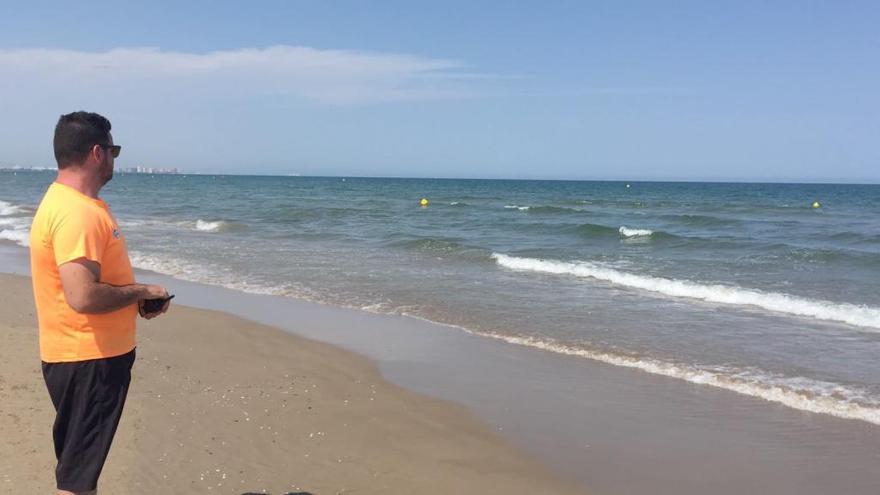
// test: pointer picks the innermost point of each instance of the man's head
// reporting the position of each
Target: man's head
(83, 140)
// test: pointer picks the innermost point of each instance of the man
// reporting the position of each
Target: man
(87, 301)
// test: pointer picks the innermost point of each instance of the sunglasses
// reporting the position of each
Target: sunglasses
(115, 149)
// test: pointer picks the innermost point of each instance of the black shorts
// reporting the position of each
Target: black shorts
(88, 397)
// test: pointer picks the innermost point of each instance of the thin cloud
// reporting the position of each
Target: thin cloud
(608, 91)
(646, 90)
(329, 76)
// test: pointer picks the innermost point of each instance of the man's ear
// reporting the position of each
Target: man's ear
(97, 153)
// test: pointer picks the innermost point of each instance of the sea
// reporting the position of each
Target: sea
(766, 290)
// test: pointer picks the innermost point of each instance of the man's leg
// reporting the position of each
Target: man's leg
(88, 397)
(65, 492)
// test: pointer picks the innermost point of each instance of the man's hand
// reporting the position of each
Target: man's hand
(154, 292)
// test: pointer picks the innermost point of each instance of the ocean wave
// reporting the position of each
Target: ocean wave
(128, 223)
(215, 226)
(858, 239)
(861, 316)
(295, 214)
(702, 220)
(22, 238)
(429, 244)
(389, 308)
(216, 275)
(805, 394)
(6, 208)
(544, 209)
(209, 226)
(9, 209)
(441, 245)
(16, 229)
(16, 222)
(553, 209)
(212, 226)
(594, 230)
(799, 254)
(627, 232)
(796, 392)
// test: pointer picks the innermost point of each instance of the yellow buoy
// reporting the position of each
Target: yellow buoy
(816, 204)
(424, 202)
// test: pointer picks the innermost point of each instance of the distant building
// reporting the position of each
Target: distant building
(151, 170)
(21, 168)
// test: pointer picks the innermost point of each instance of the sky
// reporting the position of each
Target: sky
(685, 90)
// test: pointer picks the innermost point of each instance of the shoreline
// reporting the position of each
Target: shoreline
(612, 429)
(219, 403)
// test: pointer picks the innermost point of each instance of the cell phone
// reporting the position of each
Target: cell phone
(153, 305)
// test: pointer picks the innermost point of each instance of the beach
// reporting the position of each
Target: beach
(222, 405)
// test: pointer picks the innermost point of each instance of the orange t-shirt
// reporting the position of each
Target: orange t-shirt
(69, 225)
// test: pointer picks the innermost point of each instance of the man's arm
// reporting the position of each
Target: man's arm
(85, 294)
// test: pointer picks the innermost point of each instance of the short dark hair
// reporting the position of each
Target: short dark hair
(75, 135)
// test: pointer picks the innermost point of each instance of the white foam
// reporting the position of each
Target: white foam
(16, 229)
(131, 223)
(801, 393)
(861, 316)
(218, 276)
(9, 209)
(515, 207)
(14, 221)
(205, 226)
(796, 392)
(627, 232)
(22, 238)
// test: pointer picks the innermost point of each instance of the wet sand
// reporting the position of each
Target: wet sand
(223, 405)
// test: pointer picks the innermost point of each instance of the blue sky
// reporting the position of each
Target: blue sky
(581, 90)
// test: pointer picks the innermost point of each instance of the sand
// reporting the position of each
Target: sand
(222, 405)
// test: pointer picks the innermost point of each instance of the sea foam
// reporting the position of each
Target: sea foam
(796, 392)
(216, 226)
(627, 232)
(16, 229)
(861, 316)
(210, 275)
(17, 236)
(205, 226)
(7, 208)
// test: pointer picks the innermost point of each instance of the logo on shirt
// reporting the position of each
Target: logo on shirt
(116, 233)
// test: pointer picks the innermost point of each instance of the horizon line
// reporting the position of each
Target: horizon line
(705, 180)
